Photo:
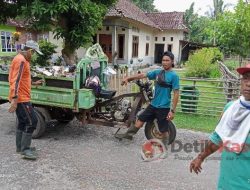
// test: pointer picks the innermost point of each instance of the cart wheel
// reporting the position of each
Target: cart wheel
(44, 112)
(152, 132)
(41, 125)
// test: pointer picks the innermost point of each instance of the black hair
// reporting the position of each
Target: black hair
(169, 54)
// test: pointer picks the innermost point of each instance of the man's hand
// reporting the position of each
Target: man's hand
(170, 115)
(195, 165)
(38, 82)
(124, 81)
(13, 105)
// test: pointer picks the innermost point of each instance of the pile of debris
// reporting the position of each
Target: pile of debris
(55, 71)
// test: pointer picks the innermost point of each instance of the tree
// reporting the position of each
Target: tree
(146, 5)
(233, 30)
(197, 26)
(8, 9)
(75, 21)
(218, 8)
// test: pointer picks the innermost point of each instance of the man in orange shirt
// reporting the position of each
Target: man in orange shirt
(19, 96)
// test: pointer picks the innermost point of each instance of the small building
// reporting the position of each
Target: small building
(9, 44)
(129, 34)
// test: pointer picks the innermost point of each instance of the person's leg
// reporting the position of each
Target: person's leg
(20, 126)
(147, 115)
(31, 122)
(163, 123)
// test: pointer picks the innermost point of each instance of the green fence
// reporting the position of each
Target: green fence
(206, 96)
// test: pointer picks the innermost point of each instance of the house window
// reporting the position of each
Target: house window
(172, 39)
(135, 46)
(7, 42)
(147, 38)
(163, 39)
(170, 47)
(156, 38)
(107, 28)
(147, 49)
(123, 29)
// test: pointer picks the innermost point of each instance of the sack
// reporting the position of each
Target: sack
(160, 80)
(93, 82)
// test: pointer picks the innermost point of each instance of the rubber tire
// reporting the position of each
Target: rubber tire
(41, 126)
(149, 127)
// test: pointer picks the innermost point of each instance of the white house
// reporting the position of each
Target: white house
(133, 34)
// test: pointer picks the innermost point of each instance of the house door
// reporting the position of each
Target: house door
(159, 50)
(105, 41)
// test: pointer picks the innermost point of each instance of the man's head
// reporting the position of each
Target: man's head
(167, 60)
(245, 81)
(29, 47)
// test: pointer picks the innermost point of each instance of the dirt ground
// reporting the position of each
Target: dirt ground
(73, 157)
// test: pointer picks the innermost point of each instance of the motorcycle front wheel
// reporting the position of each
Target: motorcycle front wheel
(152, 131)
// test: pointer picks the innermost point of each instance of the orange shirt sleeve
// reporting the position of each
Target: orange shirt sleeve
(15, 76)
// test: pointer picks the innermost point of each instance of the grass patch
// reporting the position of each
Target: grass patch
(195, 122)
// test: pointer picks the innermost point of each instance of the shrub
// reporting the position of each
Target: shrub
(47, 48)
(215, 71)
(203, 63)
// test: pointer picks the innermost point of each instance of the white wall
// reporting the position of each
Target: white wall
(143, 31)
(80, 52)
(177, 36)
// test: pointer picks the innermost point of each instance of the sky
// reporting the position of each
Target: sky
(200, 6)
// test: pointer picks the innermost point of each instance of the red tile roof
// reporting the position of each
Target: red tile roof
(164, 20)
(126, 9)
(168, 20)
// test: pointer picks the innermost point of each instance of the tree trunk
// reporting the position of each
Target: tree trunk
(69, 55)
(68, 52)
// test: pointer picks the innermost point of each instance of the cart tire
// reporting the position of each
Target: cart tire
(41, 126)
(150, 131)
(44, 112)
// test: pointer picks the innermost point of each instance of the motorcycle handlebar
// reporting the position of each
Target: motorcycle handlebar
(142, 84)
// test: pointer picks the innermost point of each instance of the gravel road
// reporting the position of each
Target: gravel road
(73, 157)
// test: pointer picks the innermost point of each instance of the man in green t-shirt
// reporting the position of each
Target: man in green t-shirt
(232, 137)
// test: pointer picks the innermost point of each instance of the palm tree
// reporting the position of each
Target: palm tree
(218, 8)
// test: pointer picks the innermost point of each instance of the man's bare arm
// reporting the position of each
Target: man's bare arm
(210, 148)
(175, 100)
(133, 77)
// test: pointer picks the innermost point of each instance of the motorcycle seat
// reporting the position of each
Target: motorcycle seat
(107, 94)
